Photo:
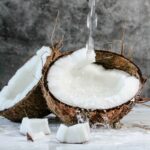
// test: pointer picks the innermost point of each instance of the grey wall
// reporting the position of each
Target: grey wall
(26, 25)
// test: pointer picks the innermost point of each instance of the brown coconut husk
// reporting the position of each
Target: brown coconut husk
(68, 114)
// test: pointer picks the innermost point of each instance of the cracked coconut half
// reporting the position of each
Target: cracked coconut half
(102, 92)
(22, 96)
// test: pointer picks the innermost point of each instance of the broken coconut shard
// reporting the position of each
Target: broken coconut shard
(76, 134)
(35, 128)
(112, 71)
(22, 96)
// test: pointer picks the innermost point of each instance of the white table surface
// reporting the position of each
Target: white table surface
(134, 135)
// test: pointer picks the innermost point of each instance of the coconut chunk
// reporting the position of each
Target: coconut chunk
(24, 79)
(34, 126)
(78, 133)
(92, 86)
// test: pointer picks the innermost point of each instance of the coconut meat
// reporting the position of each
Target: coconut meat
(78, 133)
(24, 79)
(92, 86)
(34, 127)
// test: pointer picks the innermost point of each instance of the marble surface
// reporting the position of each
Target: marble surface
(134, 134)
(26, 25)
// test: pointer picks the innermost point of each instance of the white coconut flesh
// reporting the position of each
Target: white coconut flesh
(78, 133)
(92, 86)
(34, 126)
(24, 79)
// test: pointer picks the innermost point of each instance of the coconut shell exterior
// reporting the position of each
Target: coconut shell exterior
(68, 114)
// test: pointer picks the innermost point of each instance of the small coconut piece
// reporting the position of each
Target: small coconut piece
(76, 134)
(34, 127)
(104, 91)
(22, 96)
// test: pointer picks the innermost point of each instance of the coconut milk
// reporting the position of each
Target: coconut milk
(91, 25)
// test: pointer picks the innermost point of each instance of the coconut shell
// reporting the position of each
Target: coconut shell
(68, 114)
(32, 106)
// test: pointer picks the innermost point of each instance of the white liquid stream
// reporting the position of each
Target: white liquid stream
(91, 25)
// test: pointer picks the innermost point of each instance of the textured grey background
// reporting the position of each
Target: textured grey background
(26, 25)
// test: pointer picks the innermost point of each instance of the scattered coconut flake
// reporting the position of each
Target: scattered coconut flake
(79, 133)
(24, 79)
(93, 86)
(34, 127)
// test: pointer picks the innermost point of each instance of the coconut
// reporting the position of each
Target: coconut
(76, 134)
(22, 96)
(103, 92)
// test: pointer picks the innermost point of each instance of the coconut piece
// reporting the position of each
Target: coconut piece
(121, 83)
(79, 133)
(34, 126)
(23, 96)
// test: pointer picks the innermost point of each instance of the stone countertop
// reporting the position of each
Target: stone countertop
(134, 134)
